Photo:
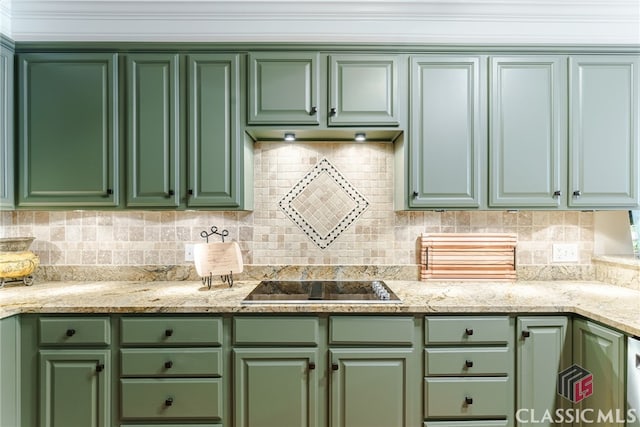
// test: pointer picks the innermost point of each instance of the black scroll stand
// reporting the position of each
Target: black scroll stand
(226, 278)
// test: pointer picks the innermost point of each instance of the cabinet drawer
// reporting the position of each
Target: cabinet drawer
(171, 425)
(447, 397)
(171, 399)
(371, 330)
(171, 330)
(468, 330)
(75, 331)
(467, 361)
(179, 362)
(279, 330)
(483, 423)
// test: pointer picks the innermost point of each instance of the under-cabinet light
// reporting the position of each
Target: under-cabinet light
(289, 136)
(361, 137)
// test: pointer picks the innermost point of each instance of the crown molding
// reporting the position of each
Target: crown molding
(395, 21)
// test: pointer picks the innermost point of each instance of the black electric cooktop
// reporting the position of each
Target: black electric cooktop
(318, 291)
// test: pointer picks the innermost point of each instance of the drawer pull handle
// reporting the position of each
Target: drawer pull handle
(468, 331)
(100, 367)
(334, 366)
(71, 332)
(168, 332)
(168, 364)
(526, 334)
(468, 400)
(312, 365)
(168, 401)
(468, 363)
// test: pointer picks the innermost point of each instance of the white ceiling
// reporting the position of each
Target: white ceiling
(393, 21)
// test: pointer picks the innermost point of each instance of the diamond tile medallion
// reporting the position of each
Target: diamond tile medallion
(323, 204)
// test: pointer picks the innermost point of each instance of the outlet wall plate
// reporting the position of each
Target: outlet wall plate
(188, 252)
(564, 252)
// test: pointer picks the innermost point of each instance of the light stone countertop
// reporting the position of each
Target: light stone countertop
(615, 306)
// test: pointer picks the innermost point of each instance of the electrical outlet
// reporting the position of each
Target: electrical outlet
(188, 252)
(565, 252)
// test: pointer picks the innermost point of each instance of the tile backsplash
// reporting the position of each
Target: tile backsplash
(379, 235)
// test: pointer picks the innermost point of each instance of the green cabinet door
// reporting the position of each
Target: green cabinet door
(447, 134)
(543, 350)
(75, 388)
(363, 90)
(153, 126)
(7, 181)
(527, 142)
(603, 133)
(374, 388)
(216, 156)
(68, 130)
(277, 387)
(283, 88)
(9, 372)
(601, 351)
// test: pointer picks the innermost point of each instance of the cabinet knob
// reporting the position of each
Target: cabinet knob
(108, 193)
(190, 192)
(332, 112)
(468, 363)
(168, 364)
(168, 332)
(71, 332)
(414, 194)
(526, 334)
(313, 111)
(557, 193)
(312, 365)
(169, 193)
(168, 401)
(468, 400)
(468, 331)
(100, 367)
(334, 366)
(577, 193)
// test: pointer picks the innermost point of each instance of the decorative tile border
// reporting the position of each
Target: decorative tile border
(323, 204)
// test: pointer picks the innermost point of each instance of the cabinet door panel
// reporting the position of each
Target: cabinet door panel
(604, 135)
(72, 391)
(277, 387)
(526, 139)
(447, 138)
(363, 90)
(68, 130)
(283, 88)
(153, 123)
(7, 200)
(601, 351)
(214, 148)
(372, 388)
(541, 356)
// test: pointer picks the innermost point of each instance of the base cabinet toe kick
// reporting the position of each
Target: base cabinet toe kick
(337, 370)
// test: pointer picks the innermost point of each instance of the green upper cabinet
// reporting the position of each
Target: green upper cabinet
(284, 88)
(153, 126)
(217, 157)
(7, 198)
(604, 136)
(527, 132)
(310, 88)
(601, 352)
(363, 90)
(543, 350)
(447, 131)
(68, 130)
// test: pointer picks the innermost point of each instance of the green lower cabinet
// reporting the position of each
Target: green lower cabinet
(373, 388)
(601, 352)
(543, 350)
(75, 388)
(500, 423)
(9, 372)
(277, 387)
